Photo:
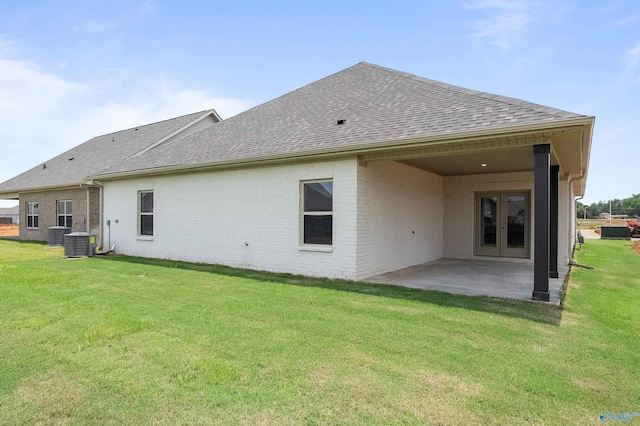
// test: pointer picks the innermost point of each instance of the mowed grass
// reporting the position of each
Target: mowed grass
(137, 341)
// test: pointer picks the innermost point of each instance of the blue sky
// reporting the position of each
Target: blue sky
(71, 70)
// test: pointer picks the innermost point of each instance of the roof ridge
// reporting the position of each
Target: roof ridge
(155, 122)
(484, 95)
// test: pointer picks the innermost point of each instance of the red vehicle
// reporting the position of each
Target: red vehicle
(634, 227)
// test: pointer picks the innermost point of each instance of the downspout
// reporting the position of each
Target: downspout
(582, 176)
(86, 219)
(88, 210)
(575, 218)
(101, 229)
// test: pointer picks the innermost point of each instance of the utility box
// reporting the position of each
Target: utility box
(56, 235)
(93, 244)
(615, 232)
(79, 244)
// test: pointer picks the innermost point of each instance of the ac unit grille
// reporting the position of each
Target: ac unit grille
(56, 235)
(77, 244)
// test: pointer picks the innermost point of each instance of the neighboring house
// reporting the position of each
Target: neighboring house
(9, 215)
(363, 172)
(57, 193)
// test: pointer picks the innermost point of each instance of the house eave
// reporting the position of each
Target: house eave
(16, 192)
(8, 195)
(370, 148)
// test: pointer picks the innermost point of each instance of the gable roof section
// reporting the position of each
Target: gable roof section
(73, 166)
(378, 104)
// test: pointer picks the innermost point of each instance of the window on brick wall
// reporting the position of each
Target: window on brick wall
(145, 213)
(317, 212)
(65, 217)
(32, 215)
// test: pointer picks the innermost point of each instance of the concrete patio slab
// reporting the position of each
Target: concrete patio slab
(511, 280)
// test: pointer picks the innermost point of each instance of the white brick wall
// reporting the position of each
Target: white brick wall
(207, 217)
(399, 217)
(459, 198)
(387, 216)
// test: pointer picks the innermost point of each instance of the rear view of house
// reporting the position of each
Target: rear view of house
(363, 172)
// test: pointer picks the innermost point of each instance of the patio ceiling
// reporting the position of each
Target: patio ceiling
(505, 152)
(514, 159)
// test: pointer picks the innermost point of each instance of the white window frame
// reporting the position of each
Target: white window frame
(303, 213)
(141, 214)
(64, 212)
(32, 212)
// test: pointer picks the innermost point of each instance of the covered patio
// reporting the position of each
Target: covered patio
(511, 280)
(508, 203)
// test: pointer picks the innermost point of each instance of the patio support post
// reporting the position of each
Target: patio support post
(553, 224)
(541, 154)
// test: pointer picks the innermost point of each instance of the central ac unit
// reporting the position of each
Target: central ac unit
(79, 244)
(56, 235)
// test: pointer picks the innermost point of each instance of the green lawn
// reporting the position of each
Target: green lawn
(134, 341)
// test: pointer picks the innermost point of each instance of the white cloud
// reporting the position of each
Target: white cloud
(633, 56)
(148, 7)
(505, 22)
(43, 114)
(629, 77)
(628, 20)
(94, 27)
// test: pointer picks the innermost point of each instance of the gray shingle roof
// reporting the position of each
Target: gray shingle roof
(378, 104)
(98, 153)
(9, 210)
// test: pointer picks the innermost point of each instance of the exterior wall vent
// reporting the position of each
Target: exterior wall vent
(56, 235)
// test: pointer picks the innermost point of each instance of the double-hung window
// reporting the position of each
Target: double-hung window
(317, 212)
(145, 213)
(32, 215)
(65, 217)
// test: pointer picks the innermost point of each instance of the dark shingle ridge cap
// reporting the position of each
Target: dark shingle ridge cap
(485, 95)
(209, 111)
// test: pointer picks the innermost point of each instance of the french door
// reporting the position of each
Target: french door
(503, 221)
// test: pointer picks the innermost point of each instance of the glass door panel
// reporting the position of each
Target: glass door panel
(502, 224)
(488, 237)
(516, 225)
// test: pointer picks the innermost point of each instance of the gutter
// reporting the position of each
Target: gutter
(360, 149)
(43, 188)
